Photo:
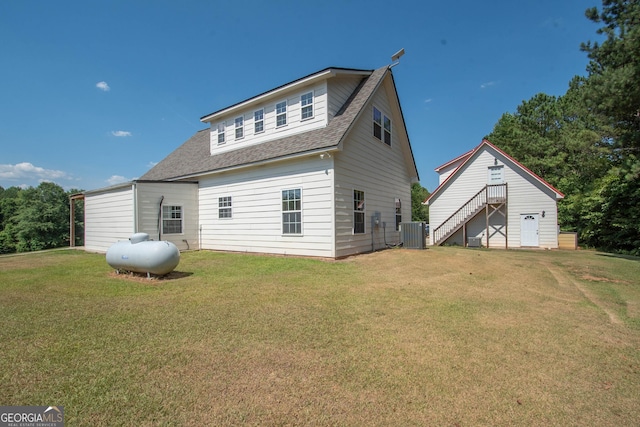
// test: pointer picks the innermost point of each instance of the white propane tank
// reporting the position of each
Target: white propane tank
(141, 255)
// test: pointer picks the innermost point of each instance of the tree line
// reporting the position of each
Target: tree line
(37, 218)
(586, 142)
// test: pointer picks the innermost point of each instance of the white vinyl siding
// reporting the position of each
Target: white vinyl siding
(148, 197)
(340, 89)
(257, 209)
(114, 214)
(380, 171)
(109, 217)
(525, 195)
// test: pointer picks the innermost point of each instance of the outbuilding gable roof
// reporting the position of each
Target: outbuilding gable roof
(471, 154)
(193, 157)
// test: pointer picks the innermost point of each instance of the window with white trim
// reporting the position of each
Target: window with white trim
(224, 207)
(377, 123)
(258, 121)
(358, 212)
(306, 104)
(381, 126)
(220, 133)
(171, 219)
(239, 127)
(292, 211)
(281, 113)
(398, 214)
(387, 131)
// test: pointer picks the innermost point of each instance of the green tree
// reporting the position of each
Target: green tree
(419, 194)
(8, 209)
(612, 89)
(556, 139)
(42, 218)
(612, 94)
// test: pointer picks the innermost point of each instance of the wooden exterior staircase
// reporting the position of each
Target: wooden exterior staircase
(492, 197)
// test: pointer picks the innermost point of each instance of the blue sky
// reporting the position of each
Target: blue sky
(95, 93)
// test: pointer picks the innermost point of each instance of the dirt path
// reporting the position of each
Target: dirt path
(565, 280)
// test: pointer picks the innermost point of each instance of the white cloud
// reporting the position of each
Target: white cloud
(426, 101)
(487, 84)
(151, 164)
(27, 170)
(118, 179)
(103, 86)
(120, 133)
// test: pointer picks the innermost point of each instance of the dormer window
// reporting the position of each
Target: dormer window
(281, 113)
(239, 127)
(220, 133)
(306, 103)
(258, 121)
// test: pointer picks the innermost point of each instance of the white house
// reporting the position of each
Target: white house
(321, 166)
(487, 197)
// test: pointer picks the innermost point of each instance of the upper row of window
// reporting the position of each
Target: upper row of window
(381, 122)
(306, 112)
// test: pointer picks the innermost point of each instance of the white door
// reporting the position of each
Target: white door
(529, 230)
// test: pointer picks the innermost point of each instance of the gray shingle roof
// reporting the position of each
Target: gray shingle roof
(194, 158)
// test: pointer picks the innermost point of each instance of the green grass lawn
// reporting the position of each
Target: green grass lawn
(445, 336)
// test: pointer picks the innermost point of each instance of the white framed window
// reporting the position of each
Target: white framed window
(292, 211)
(171, 219)
(220, 133)
(239, 122)
(258, 121)
(358, 212)
(306, 104)
(387, 130)
(377, 123)
(398, 214)
(381, 126)
(281, 113)
(224, 207)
